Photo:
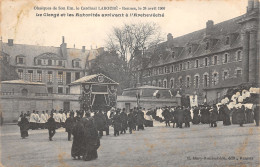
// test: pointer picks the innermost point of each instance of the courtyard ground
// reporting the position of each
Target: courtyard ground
(156, 146)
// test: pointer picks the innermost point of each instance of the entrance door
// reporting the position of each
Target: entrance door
(66, 105)
(99, 102)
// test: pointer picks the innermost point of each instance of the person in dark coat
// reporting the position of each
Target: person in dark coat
(140, 120)
(100, 122)
(69, 123)
(123, 117)
(175, 117)
(51, 127)
(117, 123)
(241, 115)
(107, 123)
(78, 144)
(131, 121)
(180, 116)
(196, 117)
(91, 138)
(167, 116)
(226, 116)
(213, 116)
(256, 114)
(24, 126)
(249, 115)
(221, 113)
(187, 117)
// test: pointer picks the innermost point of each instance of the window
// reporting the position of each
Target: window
(215, 78)
(159, 83)
(49, 77)
(239, 73)
(215, 60)
(39, 76)
(206, 62)
(197, 81)
(207, 46)
(227, 41)
(225, 75)
(165, 70)
(60, 63)
(30, 75)
(24, 92)
(155, 71)
(60, 90)
(76, 64)
(20, 60)
(172, 83)
(239, 57)
(206, 80)
(196, 63)
(20, 73)
(50, 90)
(188, 65)
(60, 77)
(188, 82)
(77, 75)
(180, 66)
(225, 58)
(172, 68)
(49, 62)
(176, 68)
(39, 62)
(67, 90)
(165, 83)
(180, 81)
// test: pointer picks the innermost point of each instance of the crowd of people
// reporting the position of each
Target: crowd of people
(205, 114)
(86, 127)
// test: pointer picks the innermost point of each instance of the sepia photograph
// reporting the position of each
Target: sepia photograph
(136, 83)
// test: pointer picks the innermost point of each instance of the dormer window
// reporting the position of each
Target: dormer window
(207, 46)
(39, 62)
(49, 62)
(76, 63)
(60, 63)
(227, 41)
(20, 59)
(190, 50)
(173, 55)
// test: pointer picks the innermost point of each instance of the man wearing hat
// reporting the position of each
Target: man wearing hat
(69, 123)
(117, 123)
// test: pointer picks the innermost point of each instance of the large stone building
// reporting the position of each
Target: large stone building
(208, 61)
(55, 66)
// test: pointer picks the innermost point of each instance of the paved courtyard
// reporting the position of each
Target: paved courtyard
(155, 146)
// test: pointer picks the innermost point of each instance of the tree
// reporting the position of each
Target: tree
(111, 65)
(7, 71)
(130, 42)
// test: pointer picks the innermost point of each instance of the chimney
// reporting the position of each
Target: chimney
(10, 42)
(169, 37)
(63, 48)
(209, 26)
(250, 5)
(83, 49)
(256, 4)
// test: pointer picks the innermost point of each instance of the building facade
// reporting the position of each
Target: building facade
(208, 61)
(55, 66)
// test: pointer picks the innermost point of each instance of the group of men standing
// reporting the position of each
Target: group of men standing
(206, 115)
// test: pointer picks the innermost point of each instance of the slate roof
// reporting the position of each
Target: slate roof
(164, 50)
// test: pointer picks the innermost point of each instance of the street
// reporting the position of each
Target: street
(156, 146)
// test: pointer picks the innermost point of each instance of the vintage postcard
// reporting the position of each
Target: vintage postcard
(142, 83)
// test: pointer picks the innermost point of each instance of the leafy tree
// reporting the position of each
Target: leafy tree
(111, 65)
